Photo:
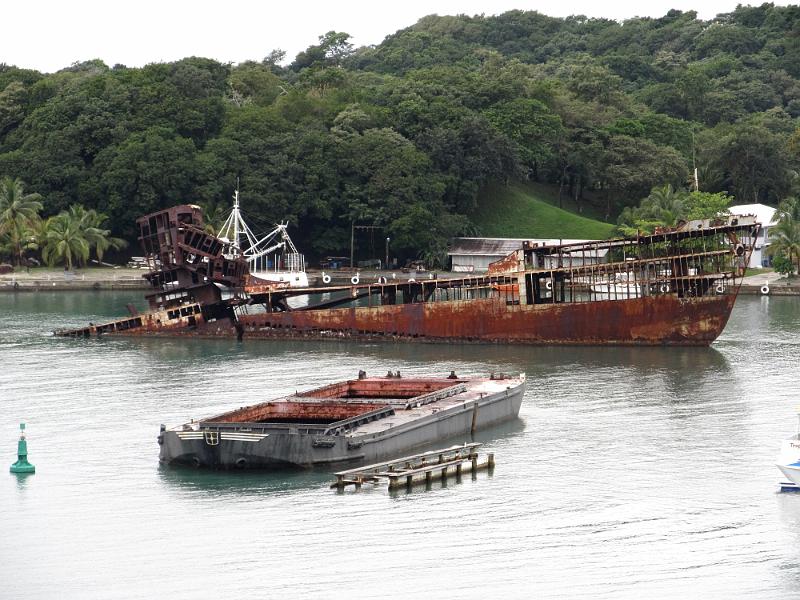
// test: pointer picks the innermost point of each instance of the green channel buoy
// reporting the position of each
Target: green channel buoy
(22, 465)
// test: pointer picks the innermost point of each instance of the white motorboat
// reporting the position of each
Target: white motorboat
(789, 461)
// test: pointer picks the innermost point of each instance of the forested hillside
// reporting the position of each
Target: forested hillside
(407, 135)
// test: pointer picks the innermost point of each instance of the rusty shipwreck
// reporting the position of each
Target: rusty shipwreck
(674, 287)
(364, 419)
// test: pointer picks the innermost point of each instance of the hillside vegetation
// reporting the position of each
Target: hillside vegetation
(410, 134)
(517, 212)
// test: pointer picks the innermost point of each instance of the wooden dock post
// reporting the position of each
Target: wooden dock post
(421, 467)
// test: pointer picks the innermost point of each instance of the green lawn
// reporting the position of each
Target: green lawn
(515, 211)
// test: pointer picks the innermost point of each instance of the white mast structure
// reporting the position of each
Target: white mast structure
(257, 252)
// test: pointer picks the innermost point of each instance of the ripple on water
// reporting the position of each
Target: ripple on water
(631, 471)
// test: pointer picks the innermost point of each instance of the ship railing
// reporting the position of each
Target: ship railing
(266, 427)
(418, 401)
(689, 270)
(346, 425)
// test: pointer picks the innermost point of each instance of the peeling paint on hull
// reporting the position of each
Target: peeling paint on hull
(652, 321)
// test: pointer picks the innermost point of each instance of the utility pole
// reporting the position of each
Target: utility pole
(353, 228)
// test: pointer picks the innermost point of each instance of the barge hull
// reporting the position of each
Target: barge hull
(273, 448)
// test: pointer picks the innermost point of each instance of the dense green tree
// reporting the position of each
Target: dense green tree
(705, 205)
(785, 236)
(632, 166)
(782, 265)
(418, 127)
(531, 126)
(19, 213)
(148, 171)
(752, 159)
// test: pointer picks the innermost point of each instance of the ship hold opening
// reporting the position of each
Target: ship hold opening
(385, 389)
(307, 413)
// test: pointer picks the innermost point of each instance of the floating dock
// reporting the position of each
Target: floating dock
(417, 468)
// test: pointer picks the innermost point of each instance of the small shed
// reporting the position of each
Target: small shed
(473, 255)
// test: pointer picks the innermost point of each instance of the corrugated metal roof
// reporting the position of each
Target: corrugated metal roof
(763, 213)
(484, 246)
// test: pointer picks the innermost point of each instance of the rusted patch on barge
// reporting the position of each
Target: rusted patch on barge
(675, 287)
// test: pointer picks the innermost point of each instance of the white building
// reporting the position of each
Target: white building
(473, 255)
(768, 217)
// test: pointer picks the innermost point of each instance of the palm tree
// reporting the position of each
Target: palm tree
(215, 214)
(18, 238)
(666, 204)
(664, 207)
(19, 212)
(785, 236)
(90, 222)
(64, 241)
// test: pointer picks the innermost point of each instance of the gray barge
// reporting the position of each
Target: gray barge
(365, 419)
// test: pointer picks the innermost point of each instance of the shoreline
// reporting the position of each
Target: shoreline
(53, 280)
(774, 290)
(132, 279)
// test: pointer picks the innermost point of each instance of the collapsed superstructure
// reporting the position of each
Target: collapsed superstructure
(675, 286)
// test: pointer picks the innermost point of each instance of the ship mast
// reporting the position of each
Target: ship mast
(233, 228)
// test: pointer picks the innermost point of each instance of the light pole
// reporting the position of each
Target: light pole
(387, 253)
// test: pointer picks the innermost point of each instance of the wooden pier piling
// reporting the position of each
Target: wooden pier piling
(418, 468)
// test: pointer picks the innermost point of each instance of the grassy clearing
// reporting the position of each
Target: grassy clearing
(516, 211)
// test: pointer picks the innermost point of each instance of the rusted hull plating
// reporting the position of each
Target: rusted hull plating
(653, 321)
(656, 320)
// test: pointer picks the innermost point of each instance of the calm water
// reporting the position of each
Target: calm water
(631, 472)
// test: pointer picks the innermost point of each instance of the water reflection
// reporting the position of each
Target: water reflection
(499, 357)
(22, 480)
(239, 483)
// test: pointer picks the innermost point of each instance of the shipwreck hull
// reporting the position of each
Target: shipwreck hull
(655, 320)
(661, 320)
(672, 287)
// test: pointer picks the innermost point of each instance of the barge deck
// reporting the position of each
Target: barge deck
(362, 420)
